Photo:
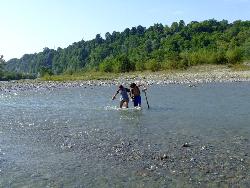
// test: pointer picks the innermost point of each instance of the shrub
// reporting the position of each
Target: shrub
(234, 56)
(125, 64)
(45, 71)
(139, 66)
(153, 65)
(182, 65)
(106, 66)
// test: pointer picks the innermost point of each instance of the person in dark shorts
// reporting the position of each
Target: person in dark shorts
(124, 99)
(135, 94)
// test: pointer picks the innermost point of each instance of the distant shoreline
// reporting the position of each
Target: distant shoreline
(196, 75)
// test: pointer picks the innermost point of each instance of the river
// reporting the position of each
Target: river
(78, 137)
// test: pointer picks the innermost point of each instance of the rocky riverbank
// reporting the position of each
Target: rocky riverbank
(190, 77)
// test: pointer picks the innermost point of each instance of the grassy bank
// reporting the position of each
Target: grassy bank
(95, 75)
(81, 76)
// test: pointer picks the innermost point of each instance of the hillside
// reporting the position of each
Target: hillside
(138, 48)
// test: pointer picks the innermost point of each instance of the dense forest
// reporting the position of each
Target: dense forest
(6, 75)
(155, 48)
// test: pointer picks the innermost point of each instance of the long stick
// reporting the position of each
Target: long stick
(146, 98)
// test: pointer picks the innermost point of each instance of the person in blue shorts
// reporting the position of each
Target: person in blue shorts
(135, 94)
(124, 99)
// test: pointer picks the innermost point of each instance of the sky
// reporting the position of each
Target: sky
(28, 26)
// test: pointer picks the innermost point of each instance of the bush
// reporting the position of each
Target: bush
(182, 65)
(106, 66)
(199, 57)
(118, 64)
(153, 65)
(139, 66)
(246, 49)
(125, 64)
(218, 57)
(234, 56)
(203, 57)
(45, 71)
(15, 76)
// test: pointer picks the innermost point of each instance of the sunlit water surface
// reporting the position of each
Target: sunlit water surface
(77, 137)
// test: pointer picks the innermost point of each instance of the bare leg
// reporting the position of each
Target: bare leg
(126, 104)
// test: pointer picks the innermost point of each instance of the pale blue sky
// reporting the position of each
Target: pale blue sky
(27, 26)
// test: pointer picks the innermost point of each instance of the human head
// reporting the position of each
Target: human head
(121, 86)
(132, 85)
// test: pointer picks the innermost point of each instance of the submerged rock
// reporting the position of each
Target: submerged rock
(186, 145)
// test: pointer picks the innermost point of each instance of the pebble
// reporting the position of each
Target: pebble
(192, 79)
(186, 145)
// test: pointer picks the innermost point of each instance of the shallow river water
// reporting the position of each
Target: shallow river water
(77, 137)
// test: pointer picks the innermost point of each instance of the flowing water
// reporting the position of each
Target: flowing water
(77, 137)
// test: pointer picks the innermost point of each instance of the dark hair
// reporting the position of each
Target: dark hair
(132, 85)
(121, 86)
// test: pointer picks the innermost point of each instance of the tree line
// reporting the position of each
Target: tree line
(138, 48)
(6, 75)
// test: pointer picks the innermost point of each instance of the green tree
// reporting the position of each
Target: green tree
(123, 64)
(107, 65)
(246, 49)
(44, 71)
(209, 41)
(2, 61)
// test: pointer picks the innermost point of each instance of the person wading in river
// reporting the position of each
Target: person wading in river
(135, 94)
(124, 99)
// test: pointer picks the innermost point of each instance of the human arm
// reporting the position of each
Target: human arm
(115, 94)
(131, 94)
(142, 85)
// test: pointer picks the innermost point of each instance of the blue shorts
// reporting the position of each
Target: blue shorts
(137, 101)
